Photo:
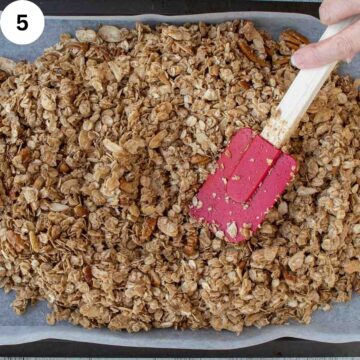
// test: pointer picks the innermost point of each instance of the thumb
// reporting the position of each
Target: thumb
(342, 46)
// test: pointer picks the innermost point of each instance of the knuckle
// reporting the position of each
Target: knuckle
(324, 4)
(326, 10)
(314, 55)
(344, 46)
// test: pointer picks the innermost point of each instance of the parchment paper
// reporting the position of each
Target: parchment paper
(340, 324)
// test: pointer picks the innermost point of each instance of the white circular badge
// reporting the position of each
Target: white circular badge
(22, 22)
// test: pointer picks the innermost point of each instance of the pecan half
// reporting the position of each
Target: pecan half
(250, 54)
(293, 39)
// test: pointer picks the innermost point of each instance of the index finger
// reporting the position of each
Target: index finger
(341, 46)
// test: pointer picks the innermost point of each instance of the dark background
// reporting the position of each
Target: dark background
(278, 348)
(282, 347)
(165, 7)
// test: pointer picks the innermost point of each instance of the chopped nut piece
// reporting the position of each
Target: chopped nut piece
(250, 54)
(88, 275)
(120, 68)
(296, 261)
(157, 139)
(148, 228)
(70, 186)
(210, 95)
(199, 159)
(34, 242)
(266, 255)
(190, 247)
(15, 240)
(64, 168)
(133, 145)
(30, 194)
(167, 227)
(293, 39)
(244, 84)
(81, 211)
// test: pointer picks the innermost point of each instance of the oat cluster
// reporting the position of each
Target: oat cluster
(106, 138)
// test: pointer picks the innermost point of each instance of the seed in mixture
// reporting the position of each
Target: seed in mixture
(231, 229)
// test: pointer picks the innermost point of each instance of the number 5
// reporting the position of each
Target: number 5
(22, 23)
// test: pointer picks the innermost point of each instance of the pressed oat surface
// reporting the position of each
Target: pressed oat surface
(106, 138)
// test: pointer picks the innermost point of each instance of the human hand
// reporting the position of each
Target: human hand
(343, 46)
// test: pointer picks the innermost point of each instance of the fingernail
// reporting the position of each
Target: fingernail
(348, 60)
(297, 60)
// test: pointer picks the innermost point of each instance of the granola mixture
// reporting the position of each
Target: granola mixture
(106, 138)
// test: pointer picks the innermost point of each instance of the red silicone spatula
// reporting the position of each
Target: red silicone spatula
(252, 172)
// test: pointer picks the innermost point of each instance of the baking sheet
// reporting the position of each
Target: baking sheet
(341, 324)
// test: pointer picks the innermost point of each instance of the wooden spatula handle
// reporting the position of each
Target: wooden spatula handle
(300, 95)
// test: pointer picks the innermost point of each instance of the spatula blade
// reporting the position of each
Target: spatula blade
(251, 175)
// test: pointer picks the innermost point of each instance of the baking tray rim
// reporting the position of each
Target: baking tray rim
(132, 339)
